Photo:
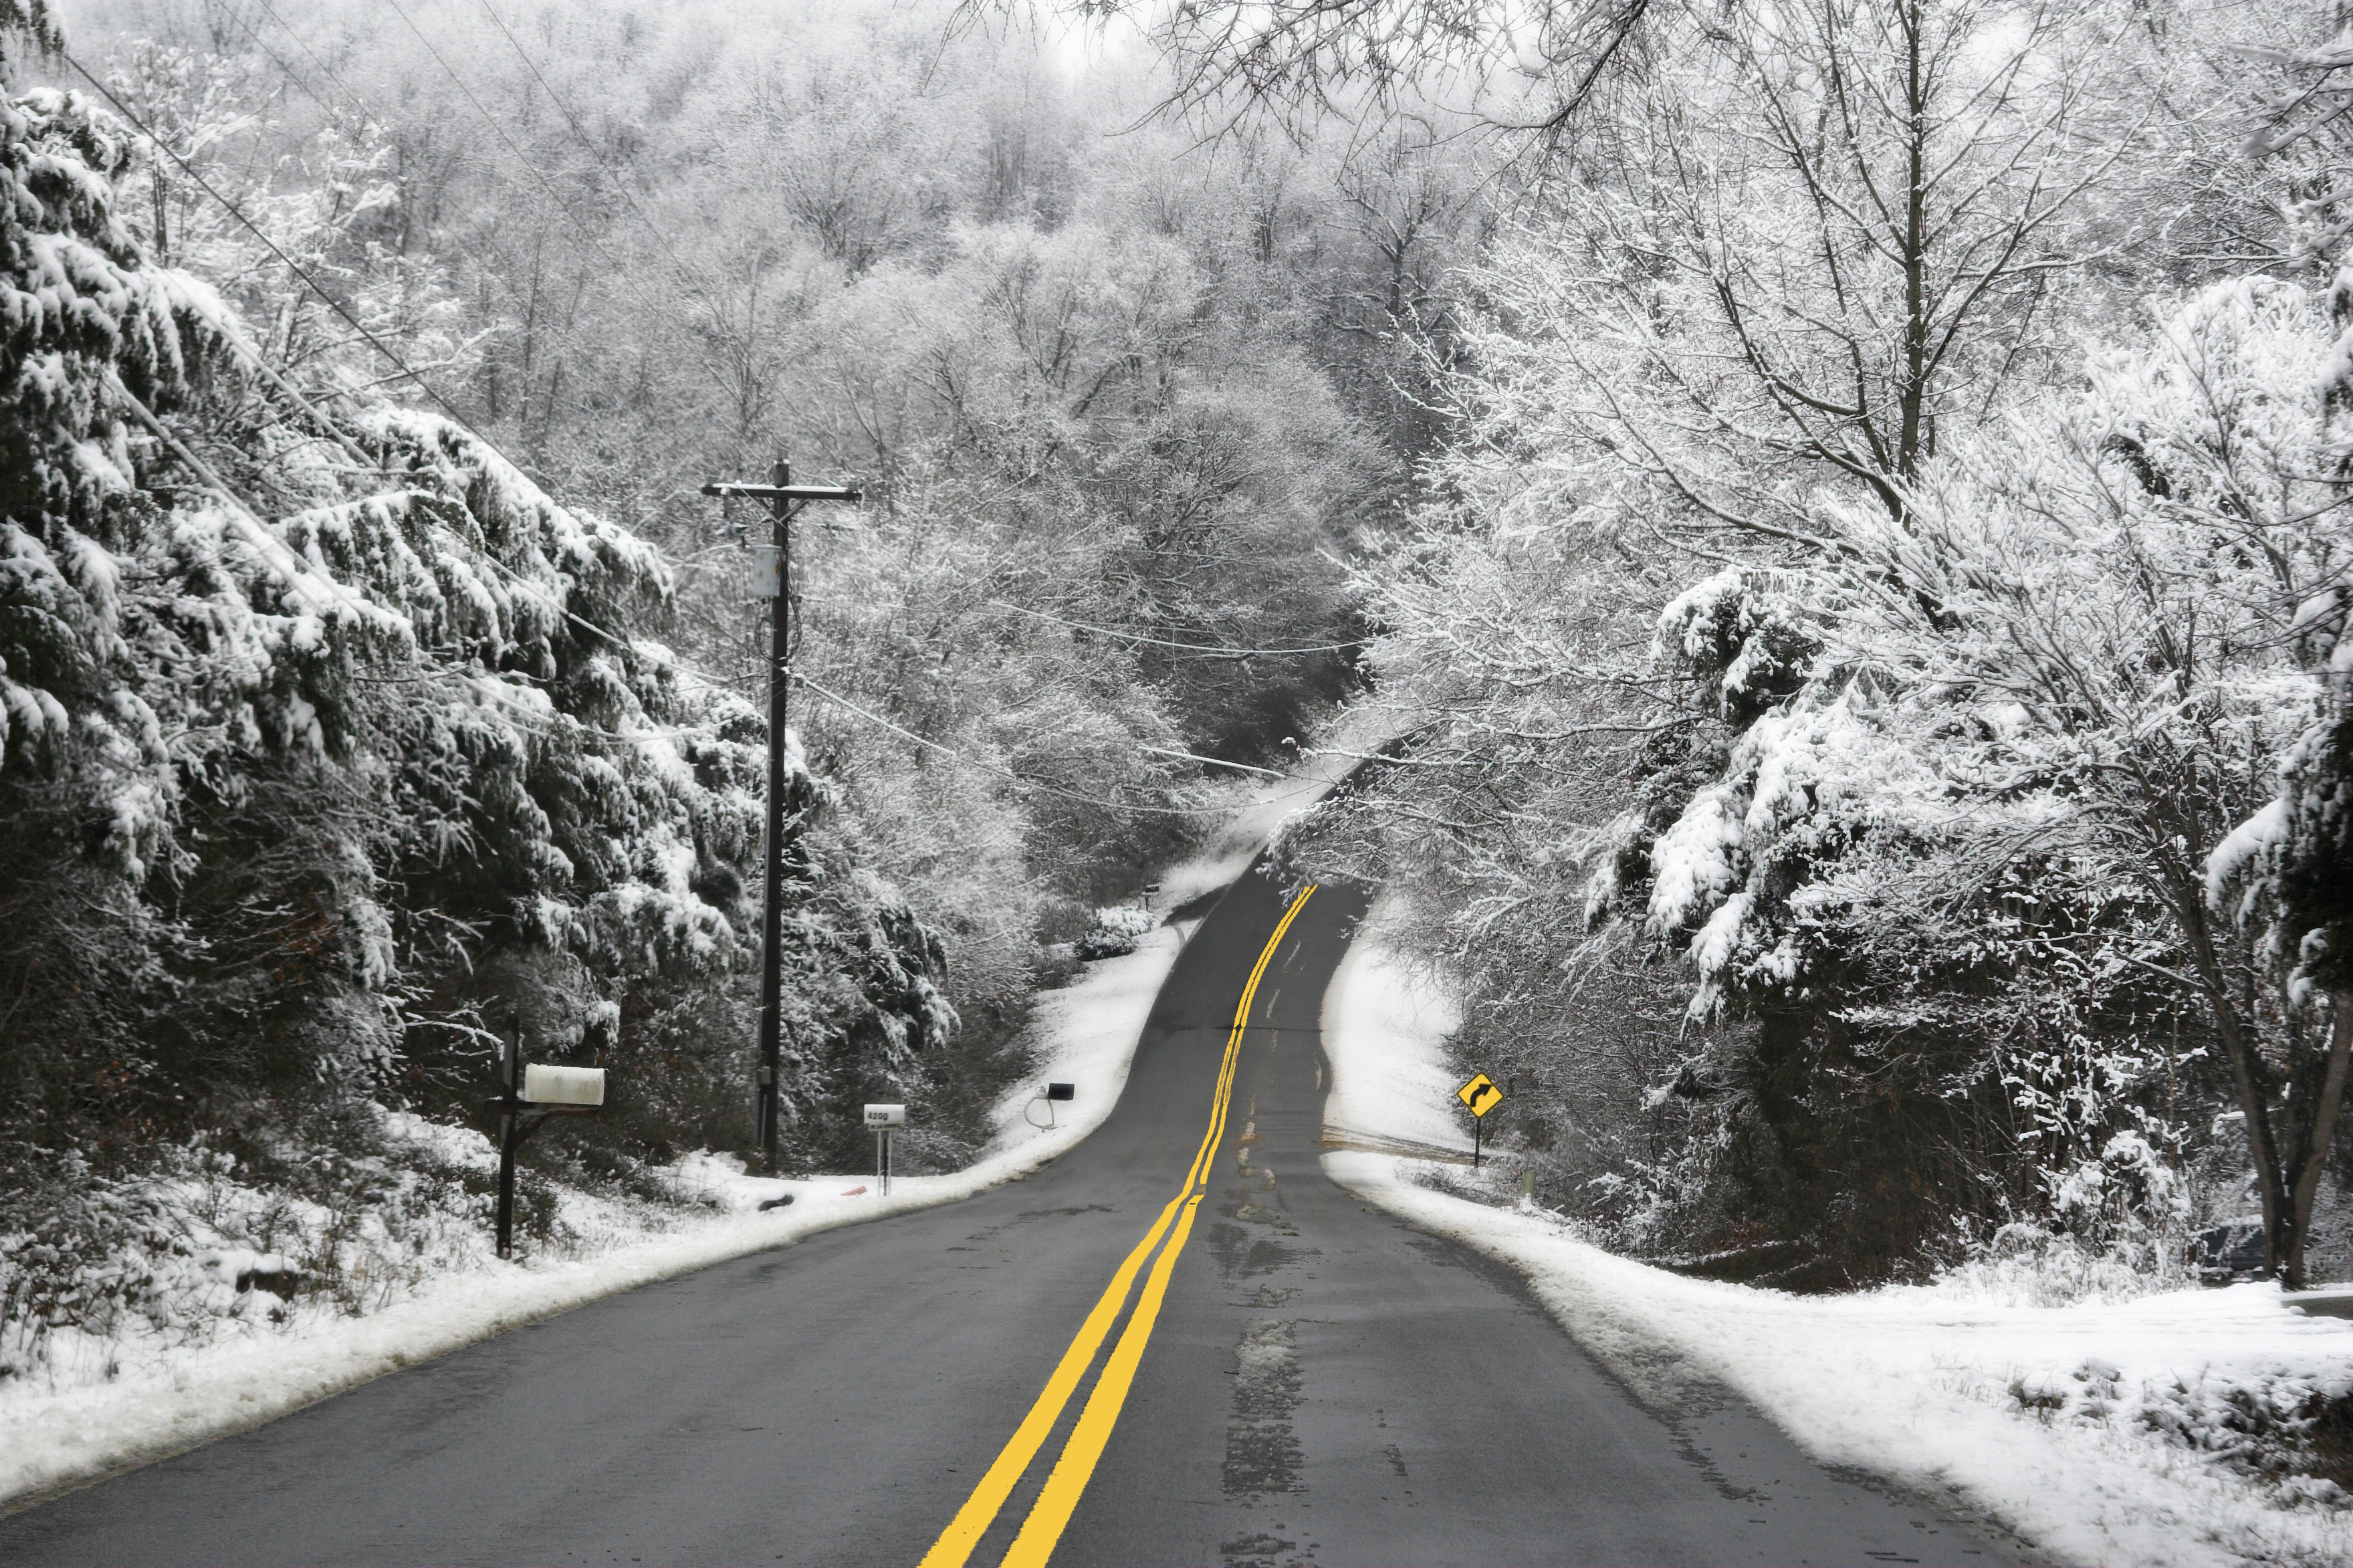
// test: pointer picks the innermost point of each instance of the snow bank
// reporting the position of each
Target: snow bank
(1400, 1093)
(2105, 1433)
(55, 1432)
(1087, 1034)
(107, 1405)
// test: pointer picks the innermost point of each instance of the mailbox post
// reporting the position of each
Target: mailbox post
(547, 1091)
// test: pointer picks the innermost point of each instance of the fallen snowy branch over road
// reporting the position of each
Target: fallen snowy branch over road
(2159, 1430)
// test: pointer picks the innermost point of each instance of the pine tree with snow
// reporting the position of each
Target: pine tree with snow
(332, 748)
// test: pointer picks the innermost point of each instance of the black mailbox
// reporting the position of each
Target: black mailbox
(1062, 1091)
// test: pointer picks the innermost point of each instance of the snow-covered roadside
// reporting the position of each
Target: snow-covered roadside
(2049, 1419)
(1391, 1083)
(53, 1436)
(102, 1405)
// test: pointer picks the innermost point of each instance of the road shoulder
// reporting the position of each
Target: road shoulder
(1914, 1385)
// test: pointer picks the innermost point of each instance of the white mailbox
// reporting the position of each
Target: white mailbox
(886, 1116)
(563, 1086)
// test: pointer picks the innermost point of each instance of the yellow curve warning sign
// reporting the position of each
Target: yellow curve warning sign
(1481, 1095)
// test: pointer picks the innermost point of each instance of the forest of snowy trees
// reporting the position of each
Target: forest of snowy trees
(1870, 642)
(1842, 507)
(379, 683)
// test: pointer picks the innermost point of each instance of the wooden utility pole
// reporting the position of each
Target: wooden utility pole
(776, 579)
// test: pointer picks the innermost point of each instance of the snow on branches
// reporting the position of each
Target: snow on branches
(2037, 696)
(334, 737)
(1925, 804)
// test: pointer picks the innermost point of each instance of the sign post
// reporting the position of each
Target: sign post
(882, 1119)
(1482, 1096)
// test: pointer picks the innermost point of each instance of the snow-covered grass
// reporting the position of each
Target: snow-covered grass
(2169, 1428)
(215, 1359)
(1389, 1097)
(199, 1344)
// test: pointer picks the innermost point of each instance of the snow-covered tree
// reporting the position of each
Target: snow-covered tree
(1772, 606)
(333, 742)
(2021, 713)
(2284, 872)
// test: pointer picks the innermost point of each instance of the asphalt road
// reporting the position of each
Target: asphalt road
(1320, 1383)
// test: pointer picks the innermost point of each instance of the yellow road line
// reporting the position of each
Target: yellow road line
(1052, 1515)
(1043, 1529)
(980, 1511)
(1045, 1526)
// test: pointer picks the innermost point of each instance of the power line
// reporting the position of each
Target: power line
(621, 271)
(300, 578)
(322, 589)
(287, 71)
(291, 265)
(629, 279)
(1207, 762)
(303, 43)
(1183, 646)
(963, 761)
(626, 277)
(370, 114)
(620, 186)
(381, 347)
(514, 579)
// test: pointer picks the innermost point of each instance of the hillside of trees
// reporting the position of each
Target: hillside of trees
(378, 684)
(1844, 508)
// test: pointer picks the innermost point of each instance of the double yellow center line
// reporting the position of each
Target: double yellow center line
(1051, 1512)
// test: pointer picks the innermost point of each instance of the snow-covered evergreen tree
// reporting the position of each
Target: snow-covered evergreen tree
(335, 747)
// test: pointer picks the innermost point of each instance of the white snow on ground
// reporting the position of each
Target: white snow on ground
(2052, 1420)
(104, 1405)
(1397, 1096)
(1087, 1033)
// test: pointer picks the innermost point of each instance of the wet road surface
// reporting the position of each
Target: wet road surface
(1315, 1383)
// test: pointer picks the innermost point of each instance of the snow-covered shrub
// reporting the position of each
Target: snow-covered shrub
(1750, 636)
(1116, 930)
(2025, 1264)
(2276, 1426)
(98, 1270)
(106, 1273)
(2289, 1430)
